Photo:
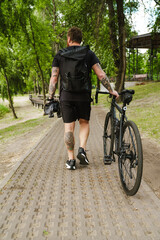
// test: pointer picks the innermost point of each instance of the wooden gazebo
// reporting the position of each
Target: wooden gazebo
(149, 41)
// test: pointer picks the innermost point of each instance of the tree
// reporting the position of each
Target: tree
(33, 31)
(157, 2)
(118, 26)
(9, 67)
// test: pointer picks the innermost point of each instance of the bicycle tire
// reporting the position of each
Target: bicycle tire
(108, 139)
(130, 162)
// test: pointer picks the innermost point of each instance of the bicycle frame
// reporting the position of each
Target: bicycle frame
(122, 111)
(123, 117)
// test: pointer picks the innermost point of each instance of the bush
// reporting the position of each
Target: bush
(3, 110)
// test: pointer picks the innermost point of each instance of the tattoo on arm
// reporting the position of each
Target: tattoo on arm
(52, 86)
(99, 66)
(105, 82)
(69, 140)
(52, 89)
(55, 72)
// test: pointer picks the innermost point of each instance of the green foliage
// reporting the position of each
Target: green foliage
(3, 110)
(156, 26)
(32, 31)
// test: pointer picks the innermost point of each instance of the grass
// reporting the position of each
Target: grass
(147, 90)
(3, 110)
(144, 109)
(20, 128)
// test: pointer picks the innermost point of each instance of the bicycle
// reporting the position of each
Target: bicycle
(121, 138)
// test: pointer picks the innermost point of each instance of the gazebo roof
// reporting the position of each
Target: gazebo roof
(149, 40)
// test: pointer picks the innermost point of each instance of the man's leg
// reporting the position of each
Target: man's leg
(83, 132)
(69, 139)
(83, 136)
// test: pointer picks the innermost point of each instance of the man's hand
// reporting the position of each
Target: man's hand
(114, 93)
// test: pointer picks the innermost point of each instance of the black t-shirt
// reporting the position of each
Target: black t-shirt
(71, 96)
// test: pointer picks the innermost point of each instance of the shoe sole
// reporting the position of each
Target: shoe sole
(70, 167)
(107, 162)
(82, 159)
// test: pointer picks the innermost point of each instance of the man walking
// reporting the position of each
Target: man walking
(74, 65)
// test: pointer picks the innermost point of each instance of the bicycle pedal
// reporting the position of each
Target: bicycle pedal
(107, 160)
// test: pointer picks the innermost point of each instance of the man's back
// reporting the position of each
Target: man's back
(90, 60)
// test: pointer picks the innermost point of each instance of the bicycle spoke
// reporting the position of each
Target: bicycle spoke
(131, 159)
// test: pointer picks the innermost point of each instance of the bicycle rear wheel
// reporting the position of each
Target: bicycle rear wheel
(108, 139)
(130, 162)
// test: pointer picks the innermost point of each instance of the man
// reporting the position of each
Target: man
(74, 65)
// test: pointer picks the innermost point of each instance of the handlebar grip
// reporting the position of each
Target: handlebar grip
(132, 91)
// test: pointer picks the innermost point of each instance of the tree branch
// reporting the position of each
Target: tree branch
(157, 2)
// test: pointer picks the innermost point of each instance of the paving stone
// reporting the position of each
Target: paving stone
(44, 200)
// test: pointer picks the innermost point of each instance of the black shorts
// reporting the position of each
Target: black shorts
(73, 110)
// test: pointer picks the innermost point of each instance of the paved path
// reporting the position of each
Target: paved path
(43, 200)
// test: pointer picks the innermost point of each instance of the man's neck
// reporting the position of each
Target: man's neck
(74, 44)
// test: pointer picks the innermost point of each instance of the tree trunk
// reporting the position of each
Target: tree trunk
(9, 96)
(38, 87)
(35, 87)
(121, 27)
(38, 63)
(42, 78)
(55, 45)
(113, 36)
(99, 16)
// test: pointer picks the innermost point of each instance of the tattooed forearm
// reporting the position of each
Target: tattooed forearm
(55, 71)
(105, 82)
(69, 140)
(52, 89)
(53, 81)
(102, 76)
(99, 66)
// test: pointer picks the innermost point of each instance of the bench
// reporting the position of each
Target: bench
(140, 77)
(38, 101)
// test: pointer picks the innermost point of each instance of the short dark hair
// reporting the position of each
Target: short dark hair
(75, 34)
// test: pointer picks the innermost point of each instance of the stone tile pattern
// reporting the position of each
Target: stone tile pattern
(44, 200)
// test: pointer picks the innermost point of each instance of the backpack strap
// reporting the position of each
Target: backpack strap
(76, 53)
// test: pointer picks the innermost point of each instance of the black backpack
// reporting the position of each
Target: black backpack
(74, 70)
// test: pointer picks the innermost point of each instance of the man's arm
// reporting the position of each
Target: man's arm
(103, 78)
(53, 81)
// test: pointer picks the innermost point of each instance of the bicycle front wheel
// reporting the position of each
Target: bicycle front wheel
(131, 159)
(108, 139)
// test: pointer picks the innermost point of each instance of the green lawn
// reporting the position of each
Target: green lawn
(20, 128)
(144, 110)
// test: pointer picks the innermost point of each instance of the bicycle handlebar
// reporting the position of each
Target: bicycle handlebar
(121, 93)
(127, 91)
